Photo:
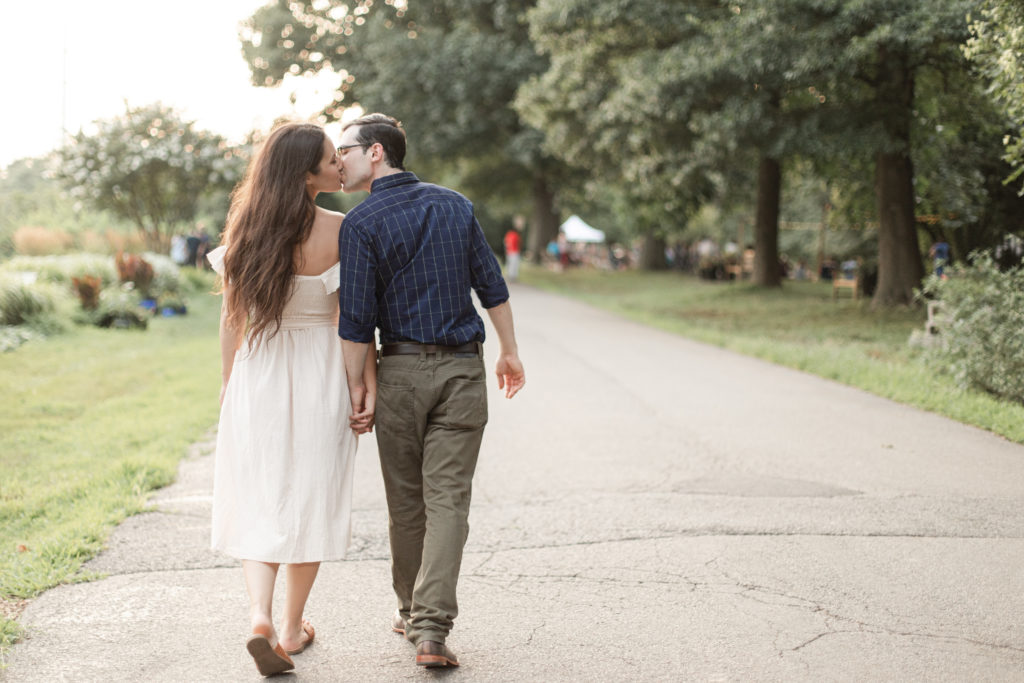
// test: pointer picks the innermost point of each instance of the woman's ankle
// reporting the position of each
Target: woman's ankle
(262, 623)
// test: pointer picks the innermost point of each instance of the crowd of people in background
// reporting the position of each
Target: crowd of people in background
(191, 250)
(703, 257)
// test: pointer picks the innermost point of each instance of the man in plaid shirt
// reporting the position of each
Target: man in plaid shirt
(410, 254)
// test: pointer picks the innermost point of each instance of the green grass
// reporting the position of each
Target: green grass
(799, 326)
(90, 422)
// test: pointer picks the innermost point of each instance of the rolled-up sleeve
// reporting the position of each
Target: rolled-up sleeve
(485, 272)
(357, 302)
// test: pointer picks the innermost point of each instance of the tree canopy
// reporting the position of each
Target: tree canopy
(996, 46)
(150, 167)
(448, 69)
(650, 110)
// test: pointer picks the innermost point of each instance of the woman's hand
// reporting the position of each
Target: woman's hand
(363, 406)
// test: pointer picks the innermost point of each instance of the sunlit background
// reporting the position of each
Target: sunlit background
(77, 62)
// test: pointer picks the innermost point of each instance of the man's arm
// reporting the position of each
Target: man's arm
(357, 312)
(509, 368)
(356, 354)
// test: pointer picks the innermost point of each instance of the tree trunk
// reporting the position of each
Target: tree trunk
(825, 208)
(544, 225)
(766, 225)
(899, 257)
(652, 253)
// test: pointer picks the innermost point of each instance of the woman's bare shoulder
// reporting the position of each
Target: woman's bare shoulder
(328, 215)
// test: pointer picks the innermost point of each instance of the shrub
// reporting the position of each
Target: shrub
(33, 240)
(88, 289)
(92, 242)
(136, 270)
(62, 269)
(982, 345)
(166, 274)
(22, 300)
(196, 280)
(118, 241)
(11, 337)
(119, 308)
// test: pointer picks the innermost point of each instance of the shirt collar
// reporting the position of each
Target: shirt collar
(393, 180)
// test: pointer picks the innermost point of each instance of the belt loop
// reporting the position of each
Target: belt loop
(380, 353)
(423, 354)
(480, 349)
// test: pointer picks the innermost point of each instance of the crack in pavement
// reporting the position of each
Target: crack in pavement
(750, 591)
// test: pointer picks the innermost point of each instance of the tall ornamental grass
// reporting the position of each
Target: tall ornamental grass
(22, 302)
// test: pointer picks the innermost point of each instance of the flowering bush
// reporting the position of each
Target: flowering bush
(150, 167)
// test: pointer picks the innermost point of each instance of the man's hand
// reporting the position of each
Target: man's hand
(362, 417)
(511, 376)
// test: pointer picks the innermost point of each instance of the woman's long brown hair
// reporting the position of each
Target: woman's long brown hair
(271, 215)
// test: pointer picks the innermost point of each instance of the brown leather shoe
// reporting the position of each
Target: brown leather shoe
(430, 653)
(398, 623)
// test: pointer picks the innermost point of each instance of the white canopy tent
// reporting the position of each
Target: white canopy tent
(576, 230)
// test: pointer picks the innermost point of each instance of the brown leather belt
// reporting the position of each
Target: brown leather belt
(413, 349)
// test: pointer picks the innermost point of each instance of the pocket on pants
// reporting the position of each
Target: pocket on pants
(466, 404)
(394, 413)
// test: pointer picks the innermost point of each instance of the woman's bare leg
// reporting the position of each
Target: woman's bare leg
(259, 582)
(298, 582)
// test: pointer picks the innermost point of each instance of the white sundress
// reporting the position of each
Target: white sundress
(285, 457)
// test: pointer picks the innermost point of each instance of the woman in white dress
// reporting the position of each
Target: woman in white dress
(287, 439)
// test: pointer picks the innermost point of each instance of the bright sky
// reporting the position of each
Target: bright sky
(184, 53)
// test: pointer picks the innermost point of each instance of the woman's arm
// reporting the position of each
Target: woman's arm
(230, 340)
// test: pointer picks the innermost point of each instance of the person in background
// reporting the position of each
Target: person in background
(939, 253)
(512, 253)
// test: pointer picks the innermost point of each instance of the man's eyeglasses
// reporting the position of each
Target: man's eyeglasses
(358, 144)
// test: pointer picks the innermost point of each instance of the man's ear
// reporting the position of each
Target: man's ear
(377, 152)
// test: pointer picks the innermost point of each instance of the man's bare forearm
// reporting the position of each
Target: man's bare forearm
(355, 362)
(501, 318)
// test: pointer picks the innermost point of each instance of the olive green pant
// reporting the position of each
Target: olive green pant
(431, 412)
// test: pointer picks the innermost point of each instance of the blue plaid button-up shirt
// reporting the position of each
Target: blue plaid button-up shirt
(410, 253)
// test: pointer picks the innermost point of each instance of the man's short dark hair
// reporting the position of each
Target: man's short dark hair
(387, 131)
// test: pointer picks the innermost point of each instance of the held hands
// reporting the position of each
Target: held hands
(364, 403)
(511, 376)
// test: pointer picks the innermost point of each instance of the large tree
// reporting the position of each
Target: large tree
(997, 47)
(150, 167)
(960, 189)
(884, 48)
(672, 86)
(448, 69)
(669, 97)
(612, 107)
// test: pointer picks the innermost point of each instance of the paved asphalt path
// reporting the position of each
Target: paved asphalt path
(647, 509)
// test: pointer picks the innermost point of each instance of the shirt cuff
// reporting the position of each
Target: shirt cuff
(494, 294)
(359, 334)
